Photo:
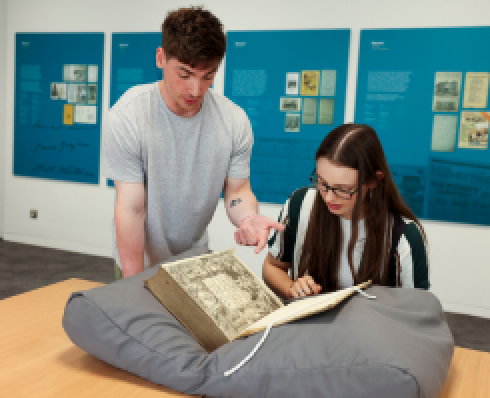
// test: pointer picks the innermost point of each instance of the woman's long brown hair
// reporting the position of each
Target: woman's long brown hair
(356, 146)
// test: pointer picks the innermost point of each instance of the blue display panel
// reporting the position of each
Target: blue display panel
(292, 86)
(58, 96)
(133, 61)
(425, 92)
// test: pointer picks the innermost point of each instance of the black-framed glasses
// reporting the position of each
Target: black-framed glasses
(324, 188)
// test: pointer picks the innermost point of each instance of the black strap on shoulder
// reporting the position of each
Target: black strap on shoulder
(293, 213)
(398, 228)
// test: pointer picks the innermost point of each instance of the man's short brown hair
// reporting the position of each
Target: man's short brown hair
(193, 36)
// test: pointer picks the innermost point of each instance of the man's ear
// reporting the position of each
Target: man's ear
(160, 57)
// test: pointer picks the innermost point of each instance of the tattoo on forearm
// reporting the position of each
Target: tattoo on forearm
(234, 202)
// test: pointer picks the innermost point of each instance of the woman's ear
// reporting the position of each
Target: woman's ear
(379, 177)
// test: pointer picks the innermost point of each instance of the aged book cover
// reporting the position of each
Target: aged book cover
(218, 298)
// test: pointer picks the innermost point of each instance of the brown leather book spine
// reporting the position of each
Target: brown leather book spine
(191, 315)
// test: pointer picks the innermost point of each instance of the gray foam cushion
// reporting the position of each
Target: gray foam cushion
(396, 345)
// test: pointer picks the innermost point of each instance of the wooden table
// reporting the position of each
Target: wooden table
(37, 359)
(468, 376)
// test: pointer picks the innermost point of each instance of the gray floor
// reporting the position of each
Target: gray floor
(25, 267)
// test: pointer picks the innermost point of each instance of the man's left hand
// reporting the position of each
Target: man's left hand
(254, 231)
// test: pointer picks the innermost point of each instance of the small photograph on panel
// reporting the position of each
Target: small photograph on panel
(290, 104)
(479, 135)
(309, 82)
(292, 83)
(74, 73)
(93, 71)
(447, 87)
(292, 122)
(81, 94)
(92, 94)
(58, 91)
(473, 133)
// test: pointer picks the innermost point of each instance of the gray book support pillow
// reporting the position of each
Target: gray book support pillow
(397, 345)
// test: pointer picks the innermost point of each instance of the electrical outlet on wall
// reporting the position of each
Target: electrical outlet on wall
(33, 213)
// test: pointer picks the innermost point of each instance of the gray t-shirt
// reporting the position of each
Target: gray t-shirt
(182, 161)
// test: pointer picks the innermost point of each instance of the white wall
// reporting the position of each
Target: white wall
(77, 217)
(3, 42)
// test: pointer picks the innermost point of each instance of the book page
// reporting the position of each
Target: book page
(327, 87)
(225, 289)
(302, 308)
(309, 110)
(476, 90)
(444, 133)
(325, 114)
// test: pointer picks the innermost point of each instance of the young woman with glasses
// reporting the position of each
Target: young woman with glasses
(351, 226)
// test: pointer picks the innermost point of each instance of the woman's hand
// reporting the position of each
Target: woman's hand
(304, 286)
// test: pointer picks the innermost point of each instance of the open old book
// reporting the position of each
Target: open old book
(218, 298)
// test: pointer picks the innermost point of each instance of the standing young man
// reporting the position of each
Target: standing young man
(172, 146)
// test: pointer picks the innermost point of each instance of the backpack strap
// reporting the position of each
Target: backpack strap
(294, 209)
(397, 230)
